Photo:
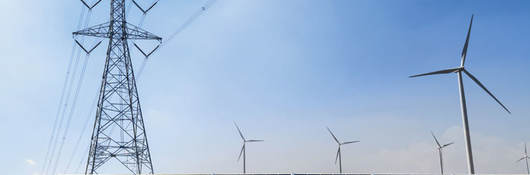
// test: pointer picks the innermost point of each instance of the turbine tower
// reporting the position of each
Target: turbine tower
(339, 155)
(119, 136)
(243, 148)
(459, 71)
(440, 147)
(525, 158)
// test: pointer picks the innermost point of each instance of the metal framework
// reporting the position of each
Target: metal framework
(119, 132)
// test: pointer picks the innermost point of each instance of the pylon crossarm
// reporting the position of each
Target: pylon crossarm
(100, 30)
(132, 32)
(137, 33)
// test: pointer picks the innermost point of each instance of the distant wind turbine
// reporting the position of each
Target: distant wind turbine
(339, 155)
(525, 157)
(440, 147)
(459, 71)
(243, 149)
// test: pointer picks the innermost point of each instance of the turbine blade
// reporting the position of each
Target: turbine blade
(241, 153)
(484, 87)
(447, 144)
(521, 159)
(446, 71)
(255, 140)
(335, 138)
(344, 143)
(464, 50)
(337, 156)
(435, 139)
(239, 130)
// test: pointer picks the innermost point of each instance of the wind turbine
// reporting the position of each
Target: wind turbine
(339, 156)
(525, 157)
(459, 71)
(243, 148)
(440, 147)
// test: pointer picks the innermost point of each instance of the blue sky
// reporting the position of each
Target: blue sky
(284, 70)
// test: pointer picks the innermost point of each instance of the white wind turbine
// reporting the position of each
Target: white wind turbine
(459, 71)
(243, 148)
(440, 147)
(525, 157)
(339, 155)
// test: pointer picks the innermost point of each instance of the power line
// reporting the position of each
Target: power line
(66, 80)
(190, 20)
(64, 102)
(179, 29)
(81, 161)
(65, 106)
(72, 110)
(85, 125)
(52, 136)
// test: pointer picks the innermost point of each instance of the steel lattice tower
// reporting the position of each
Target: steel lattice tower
(119, 133)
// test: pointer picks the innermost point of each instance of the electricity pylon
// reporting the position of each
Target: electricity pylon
(119, 133)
